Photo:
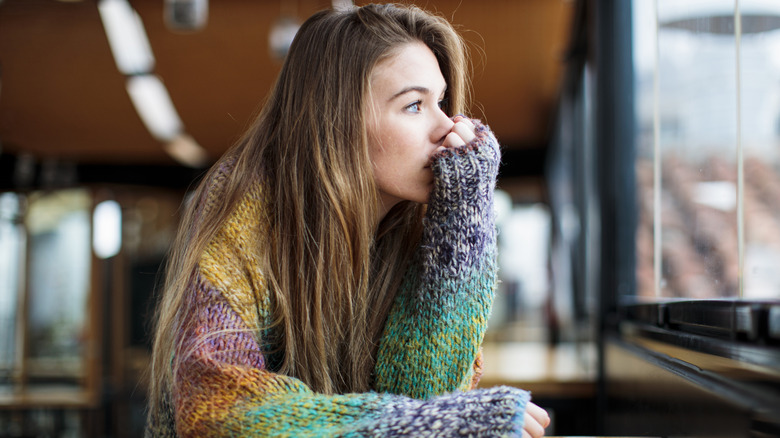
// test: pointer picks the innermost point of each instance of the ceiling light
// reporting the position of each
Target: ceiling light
(126, 36)
(186, 14)
(707, 17)
(107, 229)
(154, 106)
(342, 4)
(282, 35)
(187, 151)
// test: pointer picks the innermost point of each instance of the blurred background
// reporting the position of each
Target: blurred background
(637, 202)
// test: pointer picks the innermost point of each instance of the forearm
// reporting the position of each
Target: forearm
(459, 231)
(293, 412)
(438, 321)
(222, 388)
(430, 349)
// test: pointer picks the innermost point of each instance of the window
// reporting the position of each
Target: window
(47, 336)
(707, 163)
(12, 243)
(707, 96)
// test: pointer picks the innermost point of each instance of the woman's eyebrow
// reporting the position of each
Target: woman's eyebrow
(413, 88)
(417, 88)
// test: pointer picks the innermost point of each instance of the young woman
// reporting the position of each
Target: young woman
(335, 270)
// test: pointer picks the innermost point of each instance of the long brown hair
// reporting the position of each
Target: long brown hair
(331, 272)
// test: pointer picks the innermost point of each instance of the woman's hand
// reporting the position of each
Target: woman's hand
(461, 134)
(536, 420)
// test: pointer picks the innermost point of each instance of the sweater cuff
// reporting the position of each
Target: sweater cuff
(466, 175)
(492, 412)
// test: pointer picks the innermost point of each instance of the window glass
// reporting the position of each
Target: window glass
(760, 119)
(58, 224)
(708, 118)
(11, 269)
(523, 287)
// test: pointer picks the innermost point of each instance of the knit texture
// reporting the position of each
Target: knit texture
(428, 357)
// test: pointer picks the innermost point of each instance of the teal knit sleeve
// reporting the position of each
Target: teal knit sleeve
(438, 320)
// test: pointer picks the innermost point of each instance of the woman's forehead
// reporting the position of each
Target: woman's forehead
(412, 67)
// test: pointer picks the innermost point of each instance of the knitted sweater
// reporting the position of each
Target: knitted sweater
(427, 355)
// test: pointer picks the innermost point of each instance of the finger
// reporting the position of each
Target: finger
(465, 131)
(541, 416)
(468, 121)
(462, 118)
(532, 426)
(453, 140)
(526, 435)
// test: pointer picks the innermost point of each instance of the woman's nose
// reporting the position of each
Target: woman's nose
(443, 126)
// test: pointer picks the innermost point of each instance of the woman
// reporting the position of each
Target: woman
(334, 272)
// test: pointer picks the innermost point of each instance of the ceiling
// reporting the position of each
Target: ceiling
(62, 97)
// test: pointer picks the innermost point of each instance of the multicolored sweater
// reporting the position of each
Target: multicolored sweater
(428, 358)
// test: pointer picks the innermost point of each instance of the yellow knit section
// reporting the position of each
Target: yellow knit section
(231, 262)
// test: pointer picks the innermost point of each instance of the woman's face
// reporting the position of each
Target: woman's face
(405, 124)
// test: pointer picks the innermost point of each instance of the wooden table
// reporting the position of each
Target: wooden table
(562, 371)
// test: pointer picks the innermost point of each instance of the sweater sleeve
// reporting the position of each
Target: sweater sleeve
(223, 388)
(437, 323)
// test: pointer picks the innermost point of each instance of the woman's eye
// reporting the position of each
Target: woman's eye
(413, 107)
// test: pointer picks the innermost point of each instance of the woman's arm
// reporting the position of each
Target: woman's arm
(437, 323)
(222, 388)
